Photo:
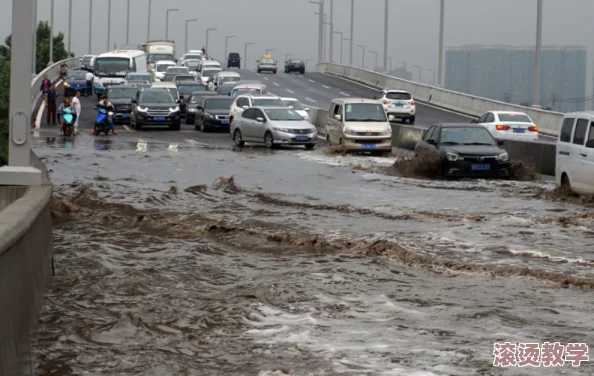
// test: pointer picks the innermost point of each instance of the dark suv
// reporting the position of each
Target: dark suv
(295, 65)
(121, 96)
(155, 108)
(234, 60)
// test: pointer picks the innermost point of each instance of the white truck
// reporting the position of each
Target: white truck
(157, 50)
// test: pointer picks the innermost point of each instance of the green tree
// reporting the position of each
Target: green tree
(42, 58)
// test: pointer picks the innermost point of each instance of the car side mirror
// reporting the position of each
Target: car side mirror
(134, 101)
(337, 117)
(245, 107)
(432, 142)
(590, 144)
(260, 120)
(306, 108)
(502, 142)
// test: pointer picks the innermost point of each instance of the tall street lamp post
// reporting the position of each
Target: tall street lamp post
(226, 42)
(362, 55)
(187, 22)
(207, 35)
(167, 22)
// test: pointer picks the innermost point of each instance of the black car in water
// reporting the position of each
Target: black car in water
(213, 113)
(121, 96)
(234, 60)
(193, 102)
(295, 65)
(155, 108)
(465, 150)
(185, 89)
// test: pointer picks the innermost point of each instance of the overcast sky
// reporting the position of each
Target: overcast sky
(290, 26)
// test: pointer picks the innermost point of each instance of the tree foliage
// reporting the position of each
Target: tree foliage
(60, 53)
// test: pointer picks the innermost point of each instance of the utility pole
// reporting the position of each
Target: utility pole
(108, 24)
(167, 22)
(331, 52)
(362, 55)
(187, 22)
(536, 95)
(51, 41)
(69, 27)
(19, 170)
(441, 30)
(352, 31)
(148, 32)
(386, 37)
(128, 24)
(90, 25)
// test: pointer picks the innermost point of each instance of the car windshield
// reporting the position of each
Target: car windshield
(399, 96)
(224, 79)
(117, 93)
(284, 115)
(138, 77)
(244, 90)
(466, 136)
(268, 61)
(296, 105)
(153, 58)
(296, 61)
(225, 90)
(218, 104)
(268, 102)
(157, 97)
(511, 117)
(233, 56)
(112, 66)
(189, 89)
(192, 65)
(77, 76)
(365, 112)
(209, 72)
(192, 57)
(178, 70)
(184, 78)
(87, 59)
(164, 67)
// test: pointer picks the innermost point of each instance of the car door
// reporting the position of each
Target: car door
(246, 120)
(489, 123)
(422, 146)
(589, 159)
(333, 125)
(579, 154)
(200, 111)
(258, 129)
(236, 109)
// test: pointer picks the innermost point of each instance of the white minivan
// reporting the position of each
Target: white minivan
(574, 166)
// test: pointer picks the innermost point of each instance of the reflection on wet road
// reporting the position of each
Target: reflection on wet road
(179, 254)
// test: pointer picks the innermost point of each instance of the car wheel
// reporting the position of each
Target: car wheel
(237, 137)
(411, 120)
(310, 146)
(269, 140)
(189, 120)
(565, 183)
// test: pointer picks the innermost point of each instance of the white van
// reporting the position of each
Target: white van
(359, 125)
(111, 68)
(574, 166)
(222, 77)
(161, 68)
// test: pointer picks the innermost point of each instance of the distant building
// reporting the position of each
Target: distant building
(506, 73)
(402, 73)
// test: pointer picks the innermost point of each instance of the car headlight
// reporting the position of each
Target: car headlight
(348, 130)
(66, 84)
(453, 157)
(142, 109)
(313, 130)
(174, 109)
(192, 110)
(388, 130)
(281, 130)
(503, 157)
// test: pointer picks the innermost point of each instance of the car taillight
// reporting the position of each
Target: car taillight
(385, 101)
(412, 103)
(533, 128)
(500, 127)
(274, 64)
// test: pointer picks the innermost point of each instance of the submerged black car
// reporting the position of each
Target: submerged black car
(213, 113)
(121, 96)
(465, 151)
(295, 65)
(192, 103)
(154, 107)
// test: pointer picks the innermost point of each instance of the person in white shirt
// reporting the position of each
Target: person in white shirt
(89, 76)
(78, 108)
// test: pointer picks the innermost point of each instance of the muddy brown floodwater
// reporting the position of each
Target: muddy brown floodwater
(189, 260)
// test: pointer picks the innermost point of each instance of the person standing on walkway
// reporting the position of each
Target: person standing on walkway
(45, 85)
(89, 76)
(77, 109)
(50, 103)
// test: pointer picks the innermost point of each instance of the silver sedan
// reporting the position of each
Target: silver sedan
(273, 126)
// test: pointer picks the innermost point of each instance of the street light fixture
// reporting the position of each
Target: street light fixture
(419, 68)
(187, 22)
(320, 3)
(226, 42)
(245, 53)
(375, 53)
(207, 35)
(167, 22)
(324, 37)
(362, 55)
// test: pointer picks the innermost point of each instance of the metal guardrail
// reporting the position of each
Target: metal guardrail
(53, 72)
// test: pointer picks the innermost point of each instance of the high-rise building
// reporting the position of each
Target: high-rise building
(506, 74)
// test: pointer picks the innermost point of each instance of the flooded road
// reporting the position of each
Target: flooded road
(181, 255)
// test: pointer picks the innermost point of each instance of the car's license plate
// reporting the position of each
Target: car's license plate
(481, 167)
(368, 146)
(224, 122)
(399, 105)
(302, 138)
(519, 130)
(126, 115)
(159, 118)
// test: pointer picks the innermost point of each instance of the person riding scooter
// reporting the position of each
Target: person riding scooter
(105, 104)
(67, 107)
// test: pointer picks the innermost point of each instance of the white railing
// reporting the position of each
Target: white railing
(53, 73)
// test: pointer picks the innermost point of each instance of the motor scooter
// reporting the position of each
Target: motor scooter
(68, 120)
(102, 121)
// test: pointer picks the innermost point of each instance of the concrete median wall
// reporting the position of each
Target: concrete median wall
(548, 122)
(26, 248)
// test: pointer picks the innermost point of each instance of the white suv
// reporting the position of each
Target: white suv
(243, 102)
(398, 104)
